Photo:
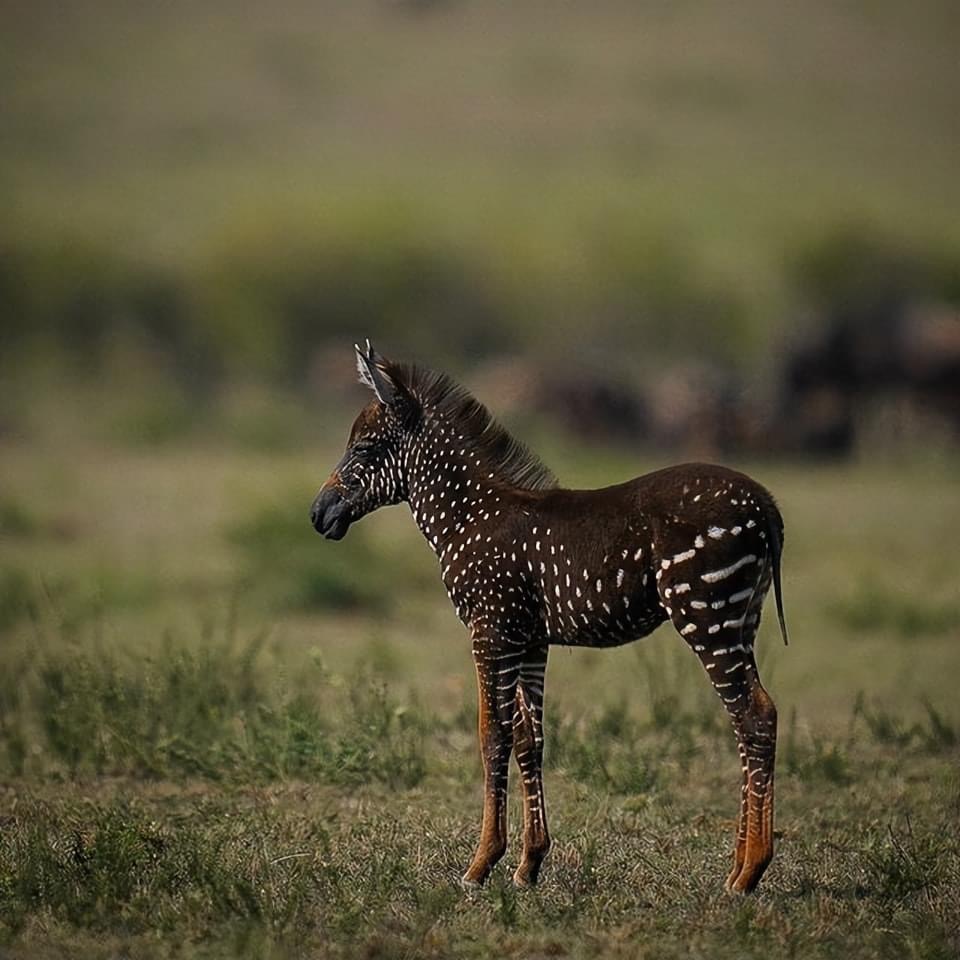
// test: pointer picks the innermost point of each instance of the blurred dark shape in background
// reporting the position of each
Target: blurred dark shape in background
(670, 228)
(903, 360)
(885, 347)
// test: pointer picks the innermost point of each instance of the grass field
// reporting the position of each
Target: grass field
(222, 736)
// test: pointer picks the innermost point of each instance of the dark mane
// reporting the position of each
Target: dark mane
(510, 460)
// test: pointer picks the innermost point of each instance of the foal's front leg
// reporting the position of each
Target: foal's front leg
(498, 665)
(528, 750)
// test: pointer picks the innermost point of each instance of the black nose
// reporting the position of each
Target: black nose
(321, 503)
(330, 514)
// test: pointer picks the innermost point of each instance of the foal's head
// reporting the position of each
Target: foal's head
(369, 474)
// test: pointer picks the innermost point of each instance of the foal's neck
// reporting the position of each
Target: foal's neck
(451, 490)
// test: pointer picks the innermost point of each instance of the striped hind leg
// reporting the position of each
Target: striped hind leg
(720, 625)
(756, 729)
(528, 750)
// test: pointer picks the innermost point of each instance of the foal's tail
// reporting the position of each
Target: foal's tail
(775, 529)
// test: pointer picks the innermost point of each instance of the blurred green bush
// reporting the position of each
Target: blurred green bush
(264, 302)
(285, 566)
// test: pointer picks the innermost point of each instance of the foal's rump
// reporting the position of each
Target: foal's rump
(610, 565)
(719, 535)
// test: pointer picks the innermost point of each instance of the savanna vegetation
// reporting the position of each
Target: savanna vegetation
(221, 736)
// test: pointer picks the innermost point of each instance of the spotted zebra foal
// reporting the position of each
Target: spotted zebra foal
(528, 564)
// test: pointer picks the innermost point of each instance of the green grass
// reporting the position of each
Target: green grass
(205, 710)
(873, 607)
(299, 870)
(282, 565)
(201, 757)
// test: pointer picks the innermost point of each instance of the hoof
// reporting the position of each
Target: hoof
(743, 882)
(524, 879)
(470, 886)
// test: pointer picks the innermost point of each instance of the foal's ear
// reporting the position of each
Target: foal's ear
(373, 373)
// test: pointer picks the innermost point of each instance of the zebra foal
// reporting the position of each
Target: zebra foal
(528, 564)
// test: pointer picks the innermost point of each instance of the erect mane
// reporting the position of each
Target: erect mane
(509, 459)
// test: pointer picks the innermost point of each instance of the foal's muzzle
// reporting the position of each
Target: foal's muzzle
(330, 514)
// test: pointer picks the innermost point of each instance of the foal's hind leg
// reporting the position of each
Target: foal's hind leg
(756, 727)
(720, 626)
(528, 750)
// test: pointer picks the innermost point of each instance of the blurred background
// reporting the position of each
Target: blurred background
(697, 228)
(640, 233)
